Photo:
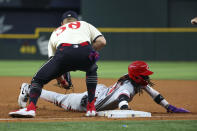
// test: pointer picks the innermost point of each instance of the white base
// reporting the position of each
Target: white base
(123, 113)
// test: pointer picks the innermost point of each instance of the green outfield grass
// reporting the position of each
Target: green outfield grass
(108, 69)
(161, 125)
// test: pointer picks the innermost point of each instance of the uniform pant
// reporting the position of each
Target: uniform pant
(67, 58)
(70, 102)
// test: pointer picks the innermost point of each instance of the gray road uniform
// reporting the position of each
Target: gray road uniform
(106, 98)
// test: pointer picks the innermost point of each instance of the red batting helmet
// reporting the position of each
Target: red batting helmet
(137, 69)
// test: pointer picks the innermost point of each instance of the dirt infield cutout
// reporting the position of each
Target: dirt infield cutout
(180, 93)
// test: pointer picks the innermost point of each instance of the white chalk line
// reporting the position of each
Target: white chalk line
(78, 118)
(38, 119)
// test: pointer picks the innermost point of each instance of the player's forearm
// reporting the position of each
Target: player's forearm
(99, 43)
(159, 99)
(156, 96)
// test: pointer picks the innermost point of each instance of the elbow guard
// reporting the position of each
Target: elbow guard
(158, 99)
(123, 105)
(123, 102)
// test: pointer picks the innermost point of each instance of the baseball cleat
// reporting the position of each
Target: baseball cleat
(91, 111)
(28, 112)
(23, 96)
(23, 113)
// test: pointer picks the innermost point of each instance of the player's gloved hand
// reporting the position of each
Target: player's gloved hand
(94, 56)
(173, 109)
(64, 84)
(67, 77)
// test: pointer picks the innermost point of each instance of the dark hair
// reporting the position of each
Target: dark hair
(137, 87)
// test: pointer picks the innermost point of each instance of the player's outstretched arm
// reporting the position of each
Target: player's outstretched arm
(159, 99)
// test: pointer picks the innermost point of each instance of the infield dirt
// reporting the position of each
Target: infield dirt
(180, 93)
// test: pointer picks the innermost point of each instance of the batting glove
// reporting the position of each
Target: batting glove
(94, 56)
(173, 109)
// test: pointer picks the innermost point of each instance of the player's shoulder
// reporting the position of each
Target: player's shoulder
(84, 23)
(56, 29)
(127, 84)
(81, 21)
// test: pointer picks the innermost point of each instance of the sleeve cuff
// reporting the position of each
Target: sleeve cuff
(96, 38)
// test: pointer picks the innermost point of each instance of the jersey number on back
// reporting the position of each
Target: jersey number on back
(72, 25)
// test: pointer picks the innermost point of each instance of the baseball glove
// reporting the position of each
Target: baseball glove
(65, 81)
(64, 84)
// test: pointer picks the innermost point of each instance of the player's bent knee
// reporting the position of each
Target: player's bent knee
(84, 101)
(92, 71)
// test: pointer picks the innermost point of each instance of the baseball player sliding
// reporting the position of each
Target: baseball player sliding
(118, 95)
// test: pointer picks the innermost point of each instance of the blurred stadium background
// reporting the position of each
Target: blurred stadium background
(153, 30)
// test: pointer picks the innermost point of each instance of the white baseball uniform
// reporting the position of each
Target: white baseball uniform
(72, 33)
(106, 98)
